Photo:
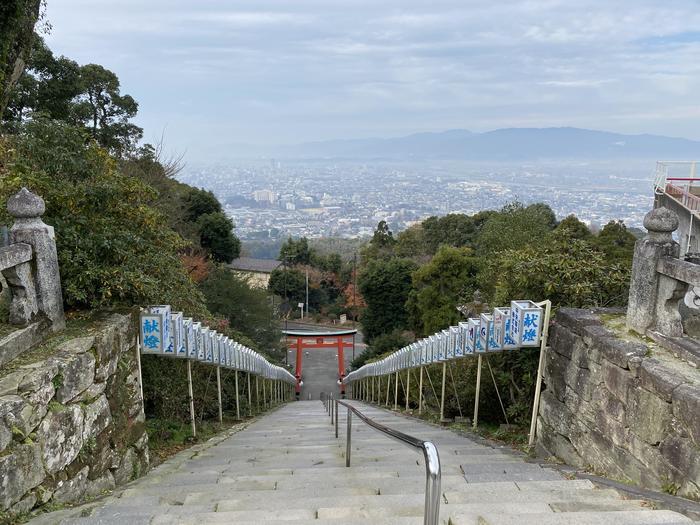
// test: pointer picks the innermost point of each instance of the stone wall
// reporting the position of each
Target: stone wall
(620, 405)
(71, 417)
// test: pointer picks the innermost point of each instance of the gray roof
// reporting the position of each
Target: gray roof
(249, 264)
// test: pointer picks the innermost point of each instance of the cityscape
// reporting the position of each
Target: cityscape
(272, 199)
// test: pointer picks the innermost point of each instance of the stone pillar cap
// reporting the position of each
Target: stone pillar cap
(25, 205)
(661, 220)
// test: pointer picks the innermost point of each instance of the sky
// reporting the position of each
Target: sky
(210, 75)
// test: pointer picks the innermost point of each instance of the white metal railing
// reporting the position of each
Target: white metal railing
(433, 473)
(675, 172)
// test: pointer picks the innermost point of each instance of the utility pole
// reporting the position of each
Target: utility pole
(307, 291)
(354, 288)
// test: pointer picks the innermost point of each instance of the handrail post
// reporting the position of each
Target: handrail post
(348, 438)
(336, 419)
(432, 484)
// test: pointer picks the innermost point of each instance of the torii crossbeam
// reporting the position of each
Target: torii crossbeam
(305, 339)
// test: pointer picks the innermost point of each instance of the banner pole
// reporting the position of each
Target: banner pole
(478, 390)
(442, 395)
(218, 387)
(238, 406)
(420, 392)
(396, 391)
(538, 387)
(189, 389)
(250, 398)
(408, 387)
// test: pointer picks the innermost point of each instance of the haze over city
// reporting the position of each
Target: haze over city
(261, 98)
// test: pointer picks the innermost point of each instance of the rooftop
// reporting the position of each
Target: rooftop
(249, 264)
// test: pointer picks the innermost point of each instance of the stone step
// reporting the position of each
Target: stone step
(591, 495)
(288, 467)
(639, 517)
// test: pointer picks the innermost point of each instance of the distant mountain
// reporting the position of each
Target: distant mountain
(509, 144)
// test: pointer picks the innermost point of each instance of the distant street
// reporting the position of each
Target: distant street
(320, 365)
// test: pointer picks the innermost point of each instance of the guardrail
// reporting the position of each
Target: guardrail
(430, 453)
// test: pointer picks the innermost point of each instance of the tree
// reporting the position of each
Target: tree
(216, 236)
(17, 21)
(47, 88)
(114, 246)
(411, 242)
(246, 308)
(201, 202)
(105, 111)
(568, 271)
(573, 228)
(515, 226)
(439, 286)
(288, 283)
(382, 236)
(385, 285)
(455, 229)
(616, 242)
(296, 252)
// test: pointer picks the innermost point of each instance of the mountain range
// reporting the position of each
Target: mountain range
(508, 144)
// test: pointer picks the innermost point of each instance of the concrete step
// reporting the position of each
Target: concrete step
(288, 467)
(642, 517)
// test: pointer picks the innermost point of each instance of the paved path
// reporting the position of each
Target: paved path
(288, 466)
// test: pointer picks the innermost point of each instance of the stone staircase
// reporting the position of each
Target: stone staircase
(288, 467)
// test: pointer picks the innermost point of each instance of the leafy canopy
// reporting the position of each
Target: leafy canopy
(114, 247)
(385, 286)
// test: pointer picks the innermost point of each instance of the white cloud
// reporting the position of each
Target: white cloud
(262, 68)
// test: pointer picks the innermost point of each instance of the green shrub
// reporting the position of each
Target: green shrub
(114, 247)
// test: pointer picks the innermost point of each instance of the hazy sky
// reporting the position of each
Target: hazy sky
(213, 73)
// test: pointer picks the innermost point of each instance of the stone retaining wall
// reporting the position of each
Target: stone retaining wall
(624, 408)
(71, 423)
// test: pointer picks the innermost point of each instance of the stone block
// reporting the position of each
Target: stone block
(99, 486)
(94, 391)
(558, 445)
(97, 418)
(107, 344)
(9, 385)
(72, 490)
(617, 380)
(37, 376)
(556, 415)
(20, 472)
(125, 472)
(613, 428)
(78, 345)
(683, 456)
(648, 416)
(577, 319)
(77, 373)
(562, 340)
(686, 407)
(619, 352)
(555, 371)
(584, 410)
(580, 381)
(61, 436)
(24, 505)
(21, 340)
(592, 335)
(17, 413)
(658, 378)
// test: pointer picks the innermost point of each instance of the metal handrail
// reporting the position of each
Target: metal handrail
(430, 453)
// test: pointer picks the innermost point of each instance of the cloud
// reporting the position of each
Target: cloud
(280, 71)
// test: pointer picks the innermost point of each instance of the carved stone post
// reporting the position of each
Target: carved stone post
(645, 286)
(27, 209)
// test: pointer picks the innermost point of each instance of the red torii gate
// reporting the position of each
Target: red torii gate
(302, 339)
